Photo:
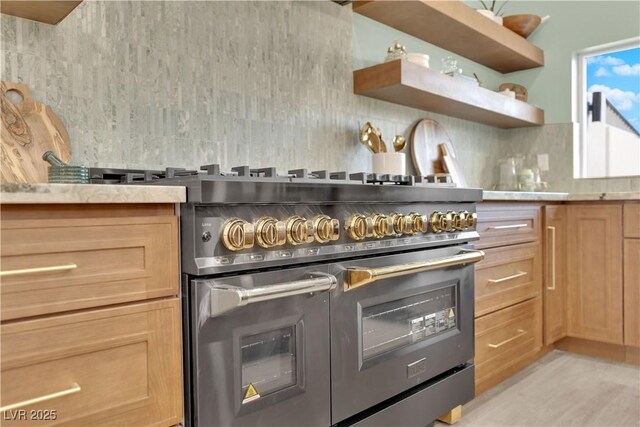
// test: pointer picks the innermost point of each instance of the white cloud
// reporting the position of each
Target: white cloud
(604, 60)
(602, 72)
(623, 100)
(627, 70)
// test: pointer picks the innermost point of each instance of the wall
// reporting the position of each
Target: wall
(154, 84)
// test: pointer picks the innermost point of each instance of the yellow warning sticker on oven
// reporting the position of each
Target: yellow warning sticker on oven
(451, 313)
(251, 394)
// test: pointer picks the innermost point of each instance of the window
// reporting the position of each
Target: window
(607, 108)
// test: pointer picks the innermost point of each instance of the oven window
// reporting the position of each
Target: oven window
(268, 363)
(402, 322)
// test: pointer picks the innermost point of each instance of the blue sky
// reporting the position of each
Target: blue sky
(617, 74)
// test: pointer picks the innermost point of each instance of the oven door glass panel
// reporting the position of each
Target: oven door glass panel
(268, 363)
(399, 323)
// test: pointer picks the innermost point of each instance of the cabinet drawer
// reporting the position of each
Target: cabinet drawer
(500, 225)
(505, 337)
(51, 266)
(507, 276)
(631, 215)
(117, 366)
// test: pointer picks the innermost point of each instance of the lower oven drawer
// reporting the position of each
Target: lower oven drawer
(507, 276)
(505, 337)
(117, 366)
(422, 406)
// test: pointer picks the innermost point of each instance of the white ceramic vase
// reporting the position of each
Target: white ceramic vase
(489, 14)
(389, 163)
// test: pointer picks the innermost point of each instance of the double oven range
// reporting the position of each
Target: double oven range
(318, 299)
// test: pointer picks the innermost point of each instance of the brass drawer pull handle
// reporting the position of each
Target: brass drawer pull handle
(360, 276)
(506, 279)
(553, 258)
(38, 270)
(507, 227)
(75, 388)
(520, 333)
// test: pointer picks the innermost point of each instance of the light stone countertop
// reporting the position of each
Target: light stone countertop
(555, 197)
(89, 193)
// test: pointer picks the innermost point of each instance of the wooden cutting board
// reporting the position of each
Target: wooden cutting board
(29, 129)
(425, 138)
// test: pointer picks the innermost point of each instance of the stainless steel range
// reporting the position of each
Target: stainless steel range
(317, 299)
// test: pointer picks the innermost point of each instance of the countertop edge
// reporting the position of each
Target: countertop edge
(558, 197)
(89, 193)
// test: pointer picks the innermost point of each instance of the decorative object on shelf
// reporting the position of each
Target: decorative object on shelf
(426, 136)
(372, 139)
(523, 25)
(389, 163)
(522, 94)
(452, 167)
(29, 128)
(450, 66)
(489, 10)
(397, 51)
(421, 59)
(508, 93)
(399, 143)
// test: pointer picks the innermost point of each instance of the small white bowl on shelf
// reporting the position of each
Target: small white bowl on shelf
(421, 59)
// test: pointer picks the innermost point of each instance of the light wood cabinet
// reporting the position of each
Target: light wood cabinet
(114, 366)
(594, 268)
(632, 292)
(501, 224)
(555, 274)
(507, 276)
(91, 323)
(55, 265)
(504, 339)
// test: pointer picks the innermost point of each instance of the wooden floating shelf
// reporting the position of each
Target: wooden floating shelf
(47, 11)
(405, 83)
(454, 26)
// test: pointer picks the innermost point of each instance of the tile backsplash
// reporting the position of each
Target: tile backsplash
(152, 84)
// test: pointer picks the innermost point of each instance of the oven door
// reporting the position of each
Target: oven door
(260, 346)
(398, 321)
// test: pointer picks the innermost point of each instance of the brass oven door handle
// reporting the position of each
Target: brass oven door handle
(225, 298)
(506, 279)
(38, 270)
(520, 333)
(75, 388)
(552, 229)
(507, 227)
(360, 276)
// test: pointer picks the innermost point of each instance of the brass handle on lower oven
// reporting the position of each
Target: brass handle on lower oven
(553, 258)
(360, 276)
(506, 279)
(75, 388)
(38, 270)
(520, 333)
(507, 227)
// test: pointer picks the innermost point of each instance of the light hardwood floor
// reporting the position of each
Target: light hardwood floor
(562, 389)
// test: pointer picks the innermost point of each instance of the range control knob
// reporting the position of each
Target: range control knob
(382, 226)
(449, 220)
(299, 230)
(237, 234)
(419, 223)
(460, 221)
(472, 220)
(326, 229)
(440, 222)
(270, 232)
(401, 224)
(359, 227)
